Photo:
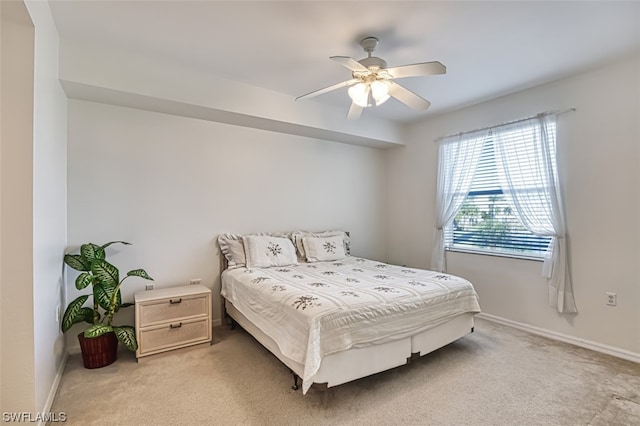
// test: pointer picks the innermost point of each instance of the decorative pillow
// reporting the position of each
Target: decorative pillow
(322, 249)
(263, 251)
(232, 248)
(298, 236)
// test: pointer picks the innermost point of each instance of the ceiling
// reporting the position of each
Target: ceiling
(490, 49)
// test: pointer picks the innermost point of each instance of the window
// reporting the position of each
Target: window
(487, 221)
(498, 192)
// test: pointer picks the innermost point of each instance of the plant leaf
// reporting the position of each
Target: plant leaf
(102, 293)
(104, 246)
(139, 273)
(92, 252)
(72, 313)
(77, 262)
(127, 336)
(83, 280)
(107, 273)
(87, 315)
(97, 330)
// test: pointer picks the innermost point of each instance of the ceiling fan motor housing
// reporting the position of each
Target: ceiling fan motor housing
(373, 62)
(369, 44)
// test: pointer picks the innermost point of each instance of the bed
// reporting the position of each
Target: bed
(332, 317)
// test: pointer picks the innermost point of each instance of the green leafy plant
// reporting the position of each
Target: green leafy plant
(104, 279)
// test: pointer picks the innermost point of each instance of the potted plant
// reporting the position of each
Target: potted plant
(99, 342)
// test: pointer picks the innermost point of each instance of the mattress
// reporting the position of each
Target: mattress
(312, 310)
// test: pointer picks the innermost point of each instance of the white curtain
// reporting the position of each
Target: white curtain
(458, 158)
(539, 207)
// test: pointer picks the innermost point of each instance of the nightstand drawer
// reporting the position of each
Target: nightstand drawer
(173, 335)
(173, 308)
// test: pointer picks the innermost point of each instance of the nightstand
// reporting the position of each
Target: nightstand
(171, 318)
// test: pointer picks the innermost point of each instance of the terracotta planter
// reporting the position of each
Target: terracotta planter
(98, 351)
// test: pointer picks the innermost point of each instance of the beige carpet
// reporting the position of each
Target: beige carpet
(495, 376)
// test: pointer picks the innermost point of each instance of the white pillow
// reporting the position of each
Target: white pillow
(299, 235)
(232, 248)
(263, 251)
(322, 249)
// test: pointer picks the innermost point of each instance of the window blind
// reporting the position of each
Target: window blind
(487, 222)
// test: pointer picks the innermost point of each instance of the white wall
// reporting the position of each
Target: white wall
(171, 184)
(33, 208)
(599, 159)
(16, 207)
(49, 205)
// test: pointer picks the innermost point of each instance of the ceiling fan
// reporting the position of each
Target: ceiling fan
(373, 83)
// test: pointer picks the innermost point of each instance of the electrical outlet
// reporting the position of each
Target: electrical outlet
(148, 287)
(195, 281)
(612, 299)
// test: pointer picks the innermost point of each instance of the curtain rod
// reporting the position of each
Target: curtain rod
(542, 114)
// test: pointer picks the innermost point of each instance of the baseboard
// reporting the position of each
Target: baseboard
(73, 349)
(594, 346)
(54, 388)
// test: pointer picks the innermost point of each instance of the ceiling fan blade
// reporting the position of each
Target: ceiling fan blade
(417, 70)
(350, 63)
(407, 97)
(354, 112)
(327, 89)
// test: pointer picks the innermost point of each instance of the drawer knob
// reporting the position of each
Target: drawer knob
(175, 325)
(175, 302)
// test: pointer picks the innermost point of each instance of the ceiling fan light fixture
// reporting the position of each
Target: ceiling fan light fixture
(359, 94)
(365, 93)
(380, 91)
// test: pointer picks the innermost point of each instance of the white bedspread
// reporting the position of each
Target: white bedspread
(315, 309)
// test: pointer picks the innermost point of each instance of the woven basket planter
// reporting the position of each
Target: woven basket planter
(99, 351)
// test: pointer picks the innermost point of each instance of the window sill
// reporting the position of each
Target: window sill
(498, 254)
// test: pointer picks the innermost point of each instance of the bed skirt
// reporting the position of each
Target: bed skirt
(355, 363)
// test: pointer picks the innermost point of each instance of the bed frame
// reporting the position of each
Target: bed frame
(352, 364)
